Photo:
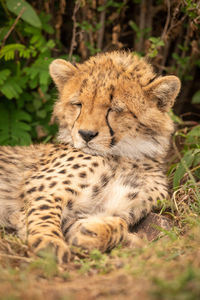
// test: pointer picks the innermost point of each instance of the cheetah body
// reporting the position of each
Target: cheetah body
(108, 170)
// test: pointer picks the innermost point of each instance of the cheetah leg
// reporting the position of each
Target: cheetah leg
(43, 227)
(101, 233)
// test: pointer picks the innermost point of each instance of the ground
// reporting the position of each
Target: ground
(166, 268)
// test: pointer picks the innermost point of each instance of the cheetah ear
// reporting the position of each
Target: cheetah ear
(61, 71)
(163, 91)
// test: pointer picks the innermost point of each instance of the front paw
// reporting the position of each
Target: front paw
(97, 233)
(59, 247)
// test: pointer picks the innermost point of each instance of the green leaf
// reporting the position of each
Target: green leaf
(4, 75)
(175, 118)
(11, 88)
(185, 163)
(196, 98)
(41, 113)
(29, 15)
(134, 26)
(3, 32)
(193, 137)
(45, 18)
(8, 51)
(14, 129)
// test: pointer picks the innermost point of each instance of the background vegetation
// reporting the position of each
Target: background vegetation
(32, 34)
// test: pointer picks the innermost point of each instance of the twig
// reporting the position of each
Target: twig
(102, 29)
(16, 257)
(163, 36)
(139, 46)
(60, 18)
(12, 27)
(73, 41)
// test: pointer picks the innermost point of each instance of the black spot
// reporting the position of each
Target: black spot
(95, 164)
(39, 198)
(46, 217)
(43, 207)
(71, 191)
(48, 200)
(62, 171)
(31, 190)
(57, 199)
(66, 181)
(70, 158)
(76, 166)
(80, 155)
(41, 176)
(54, 160)
(56, 233)
(58, 207)
(83, 186)
(148, 168)
(57, 164)
(41, 188)
(82, 174)
(62, 155)
(45, 169)
(31, 211)
(91, 170)
(87, 157)
(36, 243)
(70, 204)
(21, 195)
(52, 184)
(50, 171)
(134, 166)
(150, 199)
(133, 115)
(49, 178)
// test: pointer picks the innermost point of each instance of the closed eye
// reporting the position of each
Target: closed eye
(116, 109)
(76, 104)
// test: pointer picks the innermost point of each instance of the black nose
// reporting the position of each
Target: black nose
(88, 135)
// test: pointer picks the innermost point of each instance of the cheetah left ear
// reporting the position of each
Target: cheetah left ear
(163, 91)
(61, 71)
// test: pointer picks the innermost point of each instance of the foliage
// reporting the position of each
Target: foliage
(191, 156)
(25, 98)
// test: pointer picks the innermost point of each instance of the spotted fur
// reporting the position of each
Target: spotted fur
(108, 170)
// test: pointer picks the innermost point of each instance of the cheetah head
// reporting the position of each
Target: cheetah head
(114, 104)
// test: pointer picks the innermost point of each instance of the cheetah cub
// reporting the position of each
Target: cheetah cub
(108, 170)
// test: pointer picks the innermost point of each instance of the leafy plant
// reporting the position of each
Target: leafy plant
(25, 97)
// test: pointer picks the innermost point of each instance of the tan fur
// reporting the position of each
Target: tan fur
(108, 170)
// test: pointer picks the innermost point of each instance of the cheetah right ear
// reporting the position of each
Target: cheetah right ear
(61, 71)
(163, 91)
